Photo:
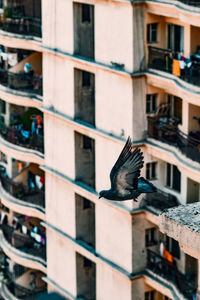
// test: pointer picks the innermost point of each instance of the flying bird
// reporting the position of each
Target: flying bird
(126, 182)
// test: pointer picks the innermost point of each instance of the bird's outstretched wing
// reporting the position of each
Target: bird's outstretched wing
(125, 173)
(124, 155)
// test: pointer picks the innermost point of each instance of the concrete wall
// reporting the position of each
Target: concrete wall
(111, 284)
(59, 146)
(114, 35)
(61, 262)
(113, 227)
(58, 82)
(57, 31)
(113, 93)
(60, 205)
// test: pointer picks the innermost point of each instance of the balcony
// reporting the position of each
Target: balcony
(25, 26)
(160, 266)
(162, 60)
(19, 191)
(17, 136)
(168, 133)
(159, 201)
(19, 291)
(21, 81)
(23, 242)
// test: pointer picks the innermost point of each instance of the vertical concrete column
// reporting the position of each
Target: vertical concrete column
(187, 38)
(138, 289)
(139, 116)
(184, 127)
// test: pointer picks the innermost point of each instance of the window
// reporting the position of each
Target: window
(151, 170)
(173, 247)
(85, 13)
(175, 108)
(151, 103)
(175, 40)
(152, 32)
(173, 178)
(85, 78)
(149, 295)
(150, 237)
(87, 263)
(87, 143)
(86, 203)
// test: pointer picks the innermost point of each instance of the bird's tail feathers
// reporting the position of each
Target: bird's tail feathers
(145, 186)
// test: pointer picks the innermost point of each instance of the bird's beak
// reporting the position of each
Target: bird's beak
(100, 197)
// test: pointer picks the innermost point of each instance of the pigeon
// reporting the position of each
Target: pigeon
(124, 176)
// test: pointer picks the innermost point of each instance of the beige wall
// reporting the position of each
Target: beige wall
(61, 262)
(112, 285)
(114, 236)
(59, 146)
(114, 33)
(57, 21)
(60, 205)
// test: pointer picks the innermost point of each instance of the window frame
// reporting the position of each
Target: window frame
(151, 168)
(170, 177)
(150, 32)
(151, 101)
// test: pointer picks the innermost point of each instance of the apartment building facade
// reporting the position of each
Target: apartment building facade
(77, 78)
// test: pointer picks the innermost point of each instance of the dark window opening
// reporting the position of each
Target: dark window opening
(150, 238)
(86, 203)
(85, 78)
(86, 13)
(87, 143)
(87, 263)
(149, 295)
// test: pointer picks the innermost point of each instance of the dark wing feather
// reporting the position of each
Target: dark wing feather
(124, 155)
(127, 175)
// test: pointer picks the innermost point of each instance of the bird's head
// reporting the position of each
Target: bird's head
(102, 194)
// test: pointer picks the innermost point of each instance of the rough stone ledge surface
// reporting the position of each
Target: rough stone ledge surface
(183, 224)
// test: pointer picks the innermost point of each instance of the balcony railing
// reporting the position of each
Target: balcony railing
(162, 59)
(24, 26)
(23, 243)
(20, 137)
(171, 135)
(192, 3)
(19, 191)
(162, 267)
(21, 81)
(159, 200)
(23, 293)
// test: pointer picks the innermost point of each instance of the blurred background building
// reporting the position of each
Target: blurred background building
(76, 79)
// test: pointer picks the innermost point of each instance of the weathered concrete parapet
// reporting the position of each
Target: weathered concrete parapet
(182, 223)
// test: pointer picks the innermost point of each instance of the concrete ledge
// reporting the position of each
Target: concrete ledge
(182, 223)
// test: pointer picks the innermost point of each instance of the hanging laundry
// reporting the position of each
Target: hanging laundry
(167, 255)
(24, 229)
(176, 70)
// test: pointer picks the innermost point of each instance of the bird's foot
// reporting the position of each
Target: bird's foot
(135, 200)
